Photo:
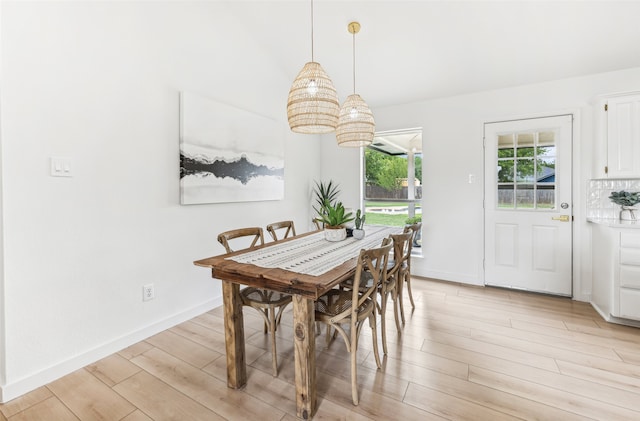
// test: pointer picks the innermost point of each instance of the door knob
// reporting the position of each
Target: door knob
(563, 218)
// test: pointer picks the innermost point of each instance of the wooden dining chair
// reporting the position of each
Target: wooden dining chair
(250, 238)
(339, 307)
(287, 226)
(270, 304)
(391, 286)
(414, 229)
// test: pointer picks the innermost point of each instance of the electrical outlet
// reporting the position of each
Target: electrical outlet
(148, 292)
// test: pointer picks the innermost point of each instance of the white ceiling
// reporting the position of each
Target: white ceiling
(412, 50)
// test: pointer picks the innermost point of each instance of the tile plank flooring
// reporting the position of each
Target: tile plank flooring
(465, 353)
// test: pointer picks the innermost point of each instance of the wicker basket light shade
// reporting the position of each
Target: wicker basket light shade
(313, 104)
(356, 126)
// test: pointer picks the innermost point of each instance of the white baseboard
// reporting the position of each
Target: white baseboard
(449, 276)
(584, 297)
(471, 280)
(612, 319)
(15, 389)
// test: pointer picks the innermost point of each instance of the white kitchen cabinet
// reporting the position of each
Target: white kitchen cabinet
(616, 272)
(618, 128)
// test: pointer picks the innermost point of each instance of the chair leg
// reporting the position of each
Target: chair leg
(354, 366)
(279, 316)
(328, 335)
(266, 325)
(374, 334)
(395, 297)
(400, 286)
(272, 329)
(383, 324)
(407, 278)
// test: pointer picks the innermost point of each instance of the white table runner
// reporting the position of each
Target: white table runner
(312, 254)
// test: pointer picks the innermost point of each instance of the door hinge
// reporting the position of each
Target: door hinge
(606, 107)
(606, 169)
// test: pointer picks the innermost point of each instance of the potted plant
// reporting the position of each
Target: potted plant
(358, 231)
(323, 192)
(416, 238)
(334, 217)
(626, 200)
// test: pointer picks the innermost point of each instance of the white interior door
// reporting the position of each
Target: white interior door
(528, 204)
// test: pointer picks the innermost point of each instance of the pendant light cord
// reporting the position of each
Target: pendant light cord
(311, 30)
(354, 63)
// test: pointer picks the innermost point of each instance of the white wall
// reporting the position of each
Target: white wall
(342, 165)
(99, 82)
(452, 149)
(2, 295)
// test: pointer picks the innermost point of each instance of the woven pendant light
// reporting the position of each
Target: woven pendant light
(312, 106)
(356, 126)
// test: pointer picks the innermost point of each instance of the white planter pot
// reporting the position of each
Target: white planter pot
(629, 213)
(358, 234)
(335, 234)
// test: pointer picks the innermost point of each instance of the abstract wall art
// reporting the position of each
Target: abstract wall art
(228, 154)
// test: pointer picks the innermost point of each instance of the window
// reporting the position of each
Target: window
(393, 177)
(526, 171)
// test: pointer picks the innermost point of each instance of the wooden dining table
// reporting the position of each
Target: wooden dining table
(306, 267)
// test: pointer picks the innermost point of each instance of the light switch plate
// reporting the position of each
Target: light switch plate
(61, 167)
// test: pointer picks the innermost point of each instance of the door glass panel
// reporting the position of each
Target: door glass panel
(526, 170)
(546, 151)
(525, 145)
(505, 171)
(505, 196)
(546, 196)
(546, 138)
(505, 146)
(546, 171)
(525, 197)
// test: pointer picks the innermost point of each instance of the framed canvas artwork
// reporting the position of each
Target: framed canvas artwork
(228, 154)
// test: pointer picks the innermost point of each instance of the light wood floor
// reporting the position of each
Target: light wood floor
(466, 353)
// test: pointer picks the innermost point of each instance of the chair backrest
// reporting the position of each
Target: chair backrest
(318, 223)
(282, 225)
(401, 249)
(374, 262)
(415, 228)
(252, 236)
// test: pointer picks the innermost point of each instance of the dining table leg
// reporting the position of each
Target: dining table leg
(234, 335)
(305, 356)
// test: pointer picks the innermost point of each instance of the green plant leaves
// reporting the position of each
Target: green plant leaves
(335, 216)
(359, 220)
(413, 220)
(624, 198)
(323, 192)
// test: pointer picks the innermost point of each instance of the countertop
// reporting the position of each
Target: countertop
(615, 223)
